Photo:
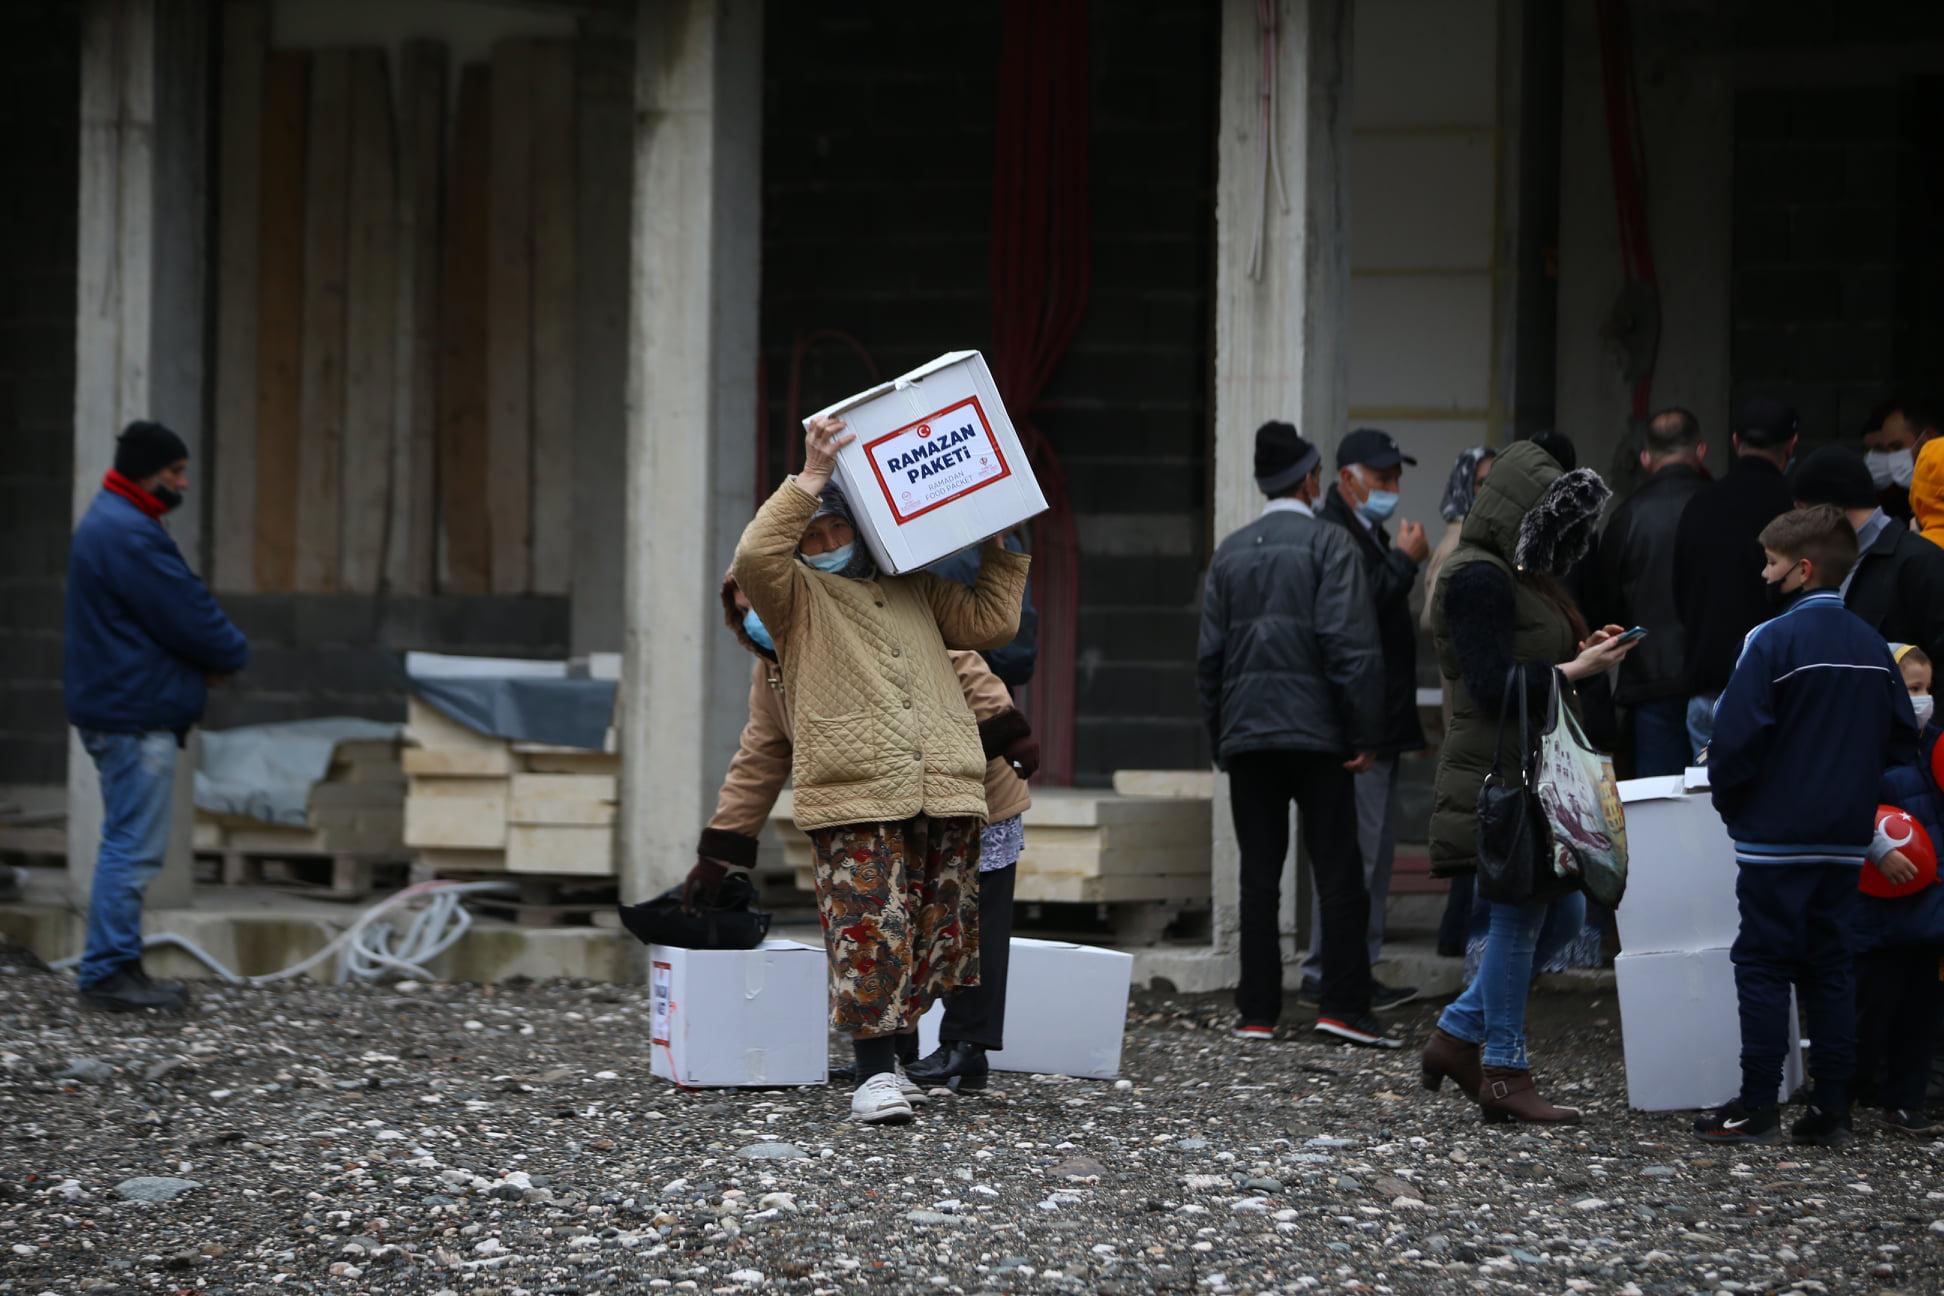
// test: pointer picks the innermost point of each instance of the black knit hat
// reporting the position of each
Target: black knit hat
(1282, 458)
(1765, 422)
(1834, 475)
(145, 449)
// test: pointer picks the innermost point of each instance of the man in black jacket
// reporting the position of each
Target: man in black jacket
(1292, 687)
(1369, 468)
(1718, 585)
(1897, 585)
(1637, 579)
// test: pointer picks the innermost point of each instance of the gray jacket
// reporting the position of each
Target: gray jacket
(1290, 658)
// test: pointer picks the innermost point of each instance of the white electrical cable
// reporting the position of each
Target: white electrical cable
(371, 948)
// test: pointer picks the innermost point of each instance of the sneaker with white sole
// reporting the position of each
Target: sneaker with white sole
(913, 1092)
(1364, 1031)
(880, 1101)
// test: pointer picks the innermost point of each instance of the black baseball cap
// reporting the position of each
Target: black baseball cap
(1371, 448)
(1766, 422)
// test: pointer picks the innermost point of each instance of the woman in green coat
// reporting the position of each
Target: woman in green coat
(1499, 605)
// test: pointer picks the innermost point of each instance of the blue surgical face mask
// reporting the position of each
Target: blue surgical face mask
(1380, 505)
(758, 632)
(832, 560)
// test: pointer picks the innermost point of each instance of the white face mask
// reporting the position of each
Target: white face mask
(1891, 467)
(1924, 707)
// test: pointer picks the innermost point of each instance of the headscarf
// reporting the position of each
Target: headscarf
(833, 504)
(1461, 490)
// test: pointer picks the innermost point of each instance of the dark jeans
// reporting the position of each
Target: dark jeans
(1897, 998)
(1661, 742)
(977, 1014)
(1457, 919)
(1794, 925)
(1261, 787)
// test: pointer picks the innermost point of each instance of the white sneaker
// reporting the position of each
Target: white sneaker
(914, 1093)
(879, 1101)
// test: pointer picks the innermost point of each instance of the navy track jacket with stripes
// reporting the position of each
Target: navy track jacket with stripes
(1815, 712)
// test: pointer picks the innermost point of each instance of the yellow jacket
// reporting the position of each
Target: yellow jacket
(1927, 491)
(882, 729)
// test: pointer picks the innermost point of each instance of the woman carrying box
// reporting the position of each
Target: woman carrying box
(887, 762)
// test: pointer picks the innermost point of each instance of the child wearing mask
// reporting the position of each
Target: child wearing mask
(1898, 940)
(1815, 701)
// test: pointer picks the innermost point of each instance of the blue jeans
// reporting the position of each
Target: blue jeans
(1492, 1009)
(1700, 721)
(137, 785)
(1662, 744)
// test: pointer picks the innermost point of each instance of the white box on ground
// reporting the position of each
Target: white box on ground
(1066, 1010)
(1680, 871)
(1680, 1028)
(755, 1017)
(936, 466)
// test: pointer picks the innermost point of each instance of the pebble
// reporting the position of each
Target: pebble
(932, 1217)
(86, 1069)
(1078, 1167)
(1660, 1172)
(1192, 1144)
(772, 1152)
(155, 1188)
(1590, 1204)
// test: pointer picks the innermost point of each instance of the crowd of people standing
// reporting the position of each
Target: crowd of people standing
(1635, 616)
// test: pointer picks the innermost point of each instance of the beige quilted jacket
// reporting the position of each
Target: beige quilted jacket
(883, 733)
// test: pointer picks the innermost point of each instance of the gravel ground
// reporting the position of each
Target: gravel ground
(493, 1141)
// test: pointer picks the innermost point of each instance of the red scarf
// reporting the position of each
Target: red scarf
(117, 484)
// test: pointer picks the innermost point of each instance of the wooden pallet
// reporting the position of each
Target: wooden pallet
(545, 902)
(321, 877)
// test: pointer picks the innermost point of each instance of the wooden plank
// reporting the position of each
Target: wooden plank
(567, 787)
(456, 785)
(371, 323)
(448, 762)
(556, 812)
(239, 222)
(509, 320)
(1110, 890)
(428, 726)
(565, 760)
(1196, 785)
(411, 557)
(456, 823)
(1053, 861)
(555, 264)
(442, 862)
(320, 447)
(580, 852)
(280, 309)
(468, 561)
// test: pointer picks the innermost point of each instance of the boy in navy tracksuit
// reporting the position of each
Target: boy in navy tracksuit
(1814, 713)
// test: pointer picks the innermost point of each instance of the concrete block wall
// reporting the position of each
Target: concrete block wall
(324, 655)
(40, 86)
(877, 209)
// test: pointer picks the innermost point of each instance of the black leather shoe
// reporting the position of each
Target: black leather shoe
(130, 990)
(955, 1060)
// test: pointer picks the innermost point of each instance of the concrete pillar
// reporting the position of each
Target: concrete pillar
(141, 309)
(1282, 272)
(691, 419)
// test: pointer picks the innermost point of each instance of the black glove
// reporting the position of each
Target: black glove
(704, 881)
(1024, 755)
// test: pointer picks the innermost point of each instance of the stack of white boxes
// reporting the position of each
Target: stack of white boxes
(1679, 1022)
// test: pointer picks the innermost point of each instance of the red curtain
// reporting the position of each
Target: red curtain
(1041, 261)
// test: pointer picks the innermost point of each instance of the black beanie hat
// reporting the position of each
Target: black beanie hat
(1834, 475)
(145, 449)
(1282, 458)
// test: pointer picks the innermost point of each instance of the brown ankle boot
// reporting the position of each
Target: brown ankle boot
(1446, 1057)
(1508, 1095)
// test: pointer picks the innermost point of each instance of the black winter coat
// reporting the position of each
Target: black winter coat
(1392, 576)
(1898, 588)
(1718, 585)
(1637, 583)
(1289, 658)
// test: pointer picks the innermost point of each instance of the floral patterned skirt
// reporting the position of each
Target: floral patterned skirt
(900, 910)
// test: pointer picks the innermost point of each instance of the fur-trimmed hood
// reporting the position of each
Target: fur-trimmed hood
(1533, 516)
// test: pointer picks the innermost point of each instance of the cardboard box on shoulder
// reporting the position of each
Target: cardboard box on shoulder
(753, 1018)
(937, 466)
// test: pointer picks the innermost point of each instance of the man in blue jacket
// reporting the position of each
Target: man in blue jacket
(144, 640)
(1814, 712)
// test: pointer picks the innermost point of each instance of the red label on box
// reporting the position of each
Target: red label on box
(944, 456)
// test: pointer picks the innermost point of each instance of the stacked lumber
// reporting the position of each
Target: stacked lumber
(479, 804)
(1086, 846)
(356, 811)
